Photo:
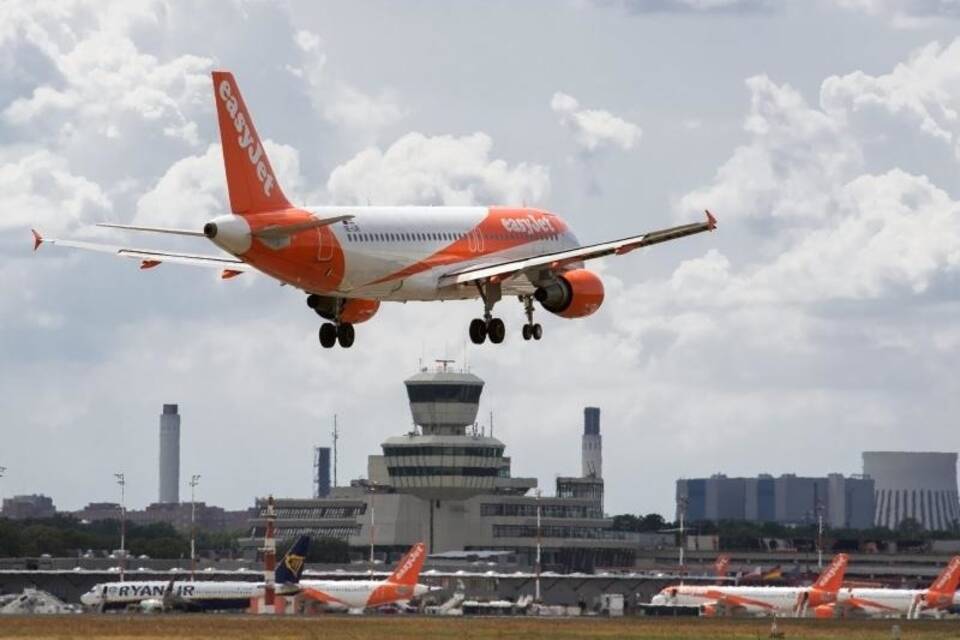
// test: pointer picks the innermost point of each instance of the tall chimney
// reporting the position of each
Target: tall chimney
(592, 444)
(170, 454)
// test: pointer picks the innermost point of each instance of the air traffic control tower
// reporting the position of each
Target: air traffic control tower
(447, 482)
(440, 460)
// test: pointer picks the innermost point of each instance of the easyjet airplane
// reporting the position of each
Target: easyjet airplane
(356, 595)
(940, 596)
(760, 600)
(350, 259)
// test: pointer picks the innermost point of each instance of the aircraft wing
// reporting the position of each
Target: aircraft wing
(151, 257)
(737, 602)
(555, 260)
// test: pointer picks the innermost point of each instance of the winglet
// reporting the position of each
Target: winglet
(711, 221)
(37, 239)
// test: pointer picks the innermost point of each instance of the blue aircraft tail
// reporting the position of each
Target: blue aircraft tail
(290, 567)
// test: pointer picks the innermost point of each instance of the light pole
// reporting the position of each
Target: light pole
(194, 481)
(373, 525)
(536, 583)
(121, 480)
(682, 512)
(819, 535)
(2, 471)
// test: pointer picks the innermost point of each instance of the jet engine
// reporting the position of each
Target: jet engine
(574, 294)
(353, 311)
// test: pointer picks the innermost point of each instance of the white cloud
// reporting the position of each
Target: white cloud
(920, 94)
(594, 129)
(693, 6)
(38, 189)
(107, 84)
(362, 115)
(352, 108)
(193, 189)
(905, 14)
(419, 169)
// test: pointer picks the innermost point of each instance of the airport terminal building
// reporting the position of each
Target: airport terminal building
(451, 486)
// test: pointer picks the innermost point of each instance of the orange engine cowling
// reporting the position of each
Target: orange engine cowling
(709, 610)
(825, 611)
(354, 310)
(574, 294)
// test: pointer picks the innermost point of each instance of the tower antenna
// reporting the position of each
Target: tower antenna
(336, 436)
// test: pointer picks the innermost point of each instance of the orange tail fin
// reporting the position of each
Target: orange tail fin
(948, 580)
(721, 565)
(408, 569)
(832, 577)
(251, 182)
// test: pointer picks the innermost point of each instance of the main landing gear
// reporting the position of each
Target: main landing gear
(493, 328)
(334, 332)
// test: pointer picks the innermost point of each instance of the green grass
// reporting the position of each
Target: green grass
(203, 627)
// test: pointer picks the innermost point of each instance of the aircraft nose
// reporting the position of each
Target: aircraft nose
(88, 599)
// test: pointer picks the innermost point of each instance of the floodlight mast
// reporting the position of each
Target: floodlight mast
(194, 481)
(122, 481)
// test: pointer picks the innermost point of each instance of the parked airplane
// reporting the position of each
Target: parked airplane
(911, 603)
(163, 595)
(796, 601)
(350, 259)
(356, 595)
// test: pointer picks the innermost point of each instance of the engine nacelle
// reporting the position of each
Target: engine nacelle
(825, 611)
(354, 310)
(574, 294)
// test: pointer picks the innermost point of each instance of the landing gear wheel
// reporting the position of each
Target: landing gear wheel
(478, 331)
(328, 335)
(536, 331)
(496, 330)
(527, 332)
(345, 335)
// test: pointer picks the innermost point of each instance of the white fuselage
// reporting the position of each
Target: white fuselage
(400, 253)
(357, 595)
(760, 600)
(887, 602)
(202, 594)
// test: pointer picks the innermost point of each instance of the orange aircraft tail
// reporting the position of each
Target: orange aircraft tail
(721, 565)
(408, 569)
(251, 182)
(832, 577)
(948, 580)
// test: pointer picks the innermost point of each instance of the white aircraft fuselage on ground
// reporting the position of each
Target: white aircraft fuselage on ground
(717, 599)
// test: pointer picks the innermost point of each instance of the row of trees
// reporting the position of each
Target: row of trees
(739, 534)
(65, 536)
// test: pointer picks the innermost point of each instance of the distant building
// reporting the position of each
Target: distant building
(208, 518)
(321, 472)
(28, 507)
(169, 455)
(844, 502)
(448, 483)
(921, 486)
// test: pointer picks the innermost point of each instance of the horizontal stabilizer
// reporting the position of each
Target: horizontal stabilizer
(279, 232)
(130, 227)
(150, 258)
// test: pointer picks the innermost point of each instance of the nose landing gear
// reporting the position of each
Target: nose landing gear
(531, 329)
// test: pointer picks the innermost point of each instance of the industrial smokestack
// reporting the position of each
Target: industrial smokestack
(592, 444)
(170, 454)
